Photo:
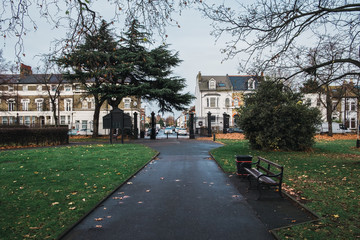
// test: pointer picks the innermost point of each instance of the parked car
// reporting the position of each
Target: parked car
(84, 132)
(72, 132)
(168, 130)
(234, 130)
(238, 130)
(182, 131)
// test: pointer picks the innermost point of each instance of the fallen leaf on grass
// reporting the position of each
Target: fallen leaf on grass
(72, 208)
(54, 203)
(34, 228)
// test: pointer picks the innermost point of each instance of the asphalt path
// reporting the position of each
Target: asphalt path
(180, 195)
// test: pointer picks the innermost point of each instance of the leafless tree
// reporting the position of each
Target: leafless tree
(18, 17)
(327, 81)
(268, 29)
(53, 84)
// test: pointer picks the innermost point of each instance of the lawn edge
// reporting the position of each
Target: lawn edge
(313, 214)
(316, 217)
(65, 232)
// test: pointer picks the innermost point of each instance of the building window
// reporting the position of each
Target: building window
(11, 120)
(227, 102)
(212, 102)
(25, 88)
(352, 107)
(11, 88)
(11, 105)
(77, 124)
(251, 84)
(77, 87)
(352, 123)
(127, 102)
(39, 105)
(33, 120)
(68, 104)
(69, 119)
(236, 102)
(5, 121)
(39, 88)
(53, 88)
(62, 120)
(84, 124)
(212, 84)
(25, 104)
(334, 105)
(67, 88)
(318, 102)
(27, 120)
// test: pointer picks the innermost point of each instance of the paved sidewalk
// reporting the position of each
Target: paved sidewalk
(181, 195)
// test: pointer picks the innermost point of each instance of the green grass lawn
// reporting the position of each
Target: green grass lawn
(327, 180)
(44, 191)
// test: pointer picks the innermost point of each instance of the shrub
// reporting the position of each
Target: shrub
(276, 118)
(33, 136)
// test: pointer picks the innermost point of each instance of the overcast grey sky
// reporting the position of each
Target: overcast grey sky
(192, 40)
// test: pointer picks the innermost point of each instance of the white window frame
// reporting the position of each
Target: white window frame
(62, 120)
(67, 88)
(11, 105)
(68, 104)
(212, 84)
(25, 104)
(127, 103)
(39, 104)
(10, 88)
(227, 102)
(213, 102)
(84, 124)
(251, 84)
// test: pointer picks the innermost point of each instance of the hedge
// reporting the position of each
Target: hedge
(33, 136)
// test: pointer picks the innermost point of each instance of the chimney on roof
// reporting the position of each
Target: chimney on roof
(25, 70)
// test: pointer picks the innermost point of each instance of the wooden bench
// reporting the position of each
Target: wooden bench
(264, 174)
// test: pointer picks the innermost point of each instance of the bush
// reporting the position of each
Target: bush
(276, 118)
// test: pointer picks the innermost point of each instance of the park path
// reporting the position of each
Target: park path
(180, 195)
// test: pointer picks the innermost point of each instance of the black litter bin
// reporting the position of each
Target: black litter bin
(241, 162)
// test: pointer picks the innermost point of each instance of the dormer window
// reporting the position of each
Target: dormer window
(251, 84)
(212, 84)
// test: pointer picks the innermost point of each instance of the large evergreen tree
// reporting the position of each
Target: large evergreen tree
(91, 63)
(276, 118)
(126, 68)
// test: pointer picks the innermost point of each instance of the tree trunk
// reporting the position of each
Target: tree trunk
(329, 111)
(96, 119)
